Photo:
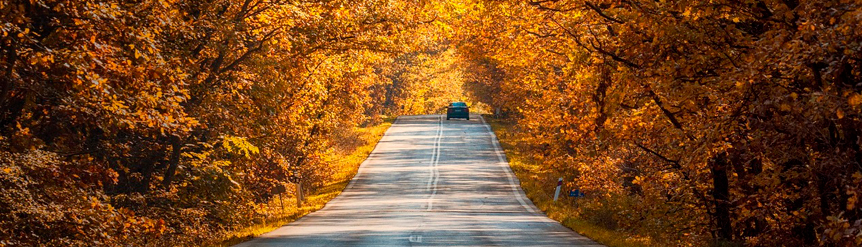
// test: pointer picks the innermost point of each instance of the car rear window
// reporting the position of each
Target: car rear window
(459, 104)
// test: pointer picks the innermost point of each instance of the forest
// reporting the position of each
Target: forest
(170, 122)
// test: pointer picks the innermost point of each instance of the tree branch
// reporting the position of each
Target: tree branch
(674, 163)
(602, 13)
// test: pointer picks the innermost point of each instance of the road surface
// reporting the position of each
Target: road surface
(430, 181)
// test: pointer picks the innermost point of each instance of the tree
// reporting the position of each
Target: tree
(719, 112)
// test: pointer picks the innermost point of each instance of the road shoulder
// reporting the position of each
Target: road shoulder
(533, 183)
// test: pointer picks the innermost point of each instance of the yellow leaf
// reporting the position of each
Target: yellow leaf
(855, 100)
(840, 114)
(735, 19)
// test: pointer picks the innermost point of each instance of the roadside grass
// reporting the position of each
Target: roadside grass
(539, 186)
(282, 211)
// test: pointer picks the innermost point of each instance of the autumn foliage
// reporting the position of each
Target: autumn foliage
(164, 122)
(168, 122)
(694, 122)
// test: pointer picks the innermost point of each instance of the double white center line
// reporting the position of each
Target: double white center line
(435, 158)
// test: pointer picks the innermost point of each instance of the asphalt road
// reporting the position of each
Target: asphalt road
(430, 181)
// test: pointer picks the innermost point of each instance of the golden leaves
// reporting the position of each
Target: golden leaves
(768, 94)
(854, 100)
(784, 107)
(238, 86)
(239, 145)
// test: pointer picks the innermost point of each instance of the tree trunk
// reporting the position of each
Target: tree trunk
(281, 201)
(299, 196)
(721, 197)
(176, 145)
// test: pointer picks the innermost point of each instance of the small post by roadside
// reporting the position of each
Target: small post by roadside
(299, 193)
(557, 192)
(281, 201)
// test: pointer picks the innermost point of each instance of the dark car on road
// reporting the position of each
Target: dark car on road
(457, 110)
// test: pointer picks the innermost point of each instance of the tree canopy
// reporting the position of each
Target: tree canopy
(162, 122)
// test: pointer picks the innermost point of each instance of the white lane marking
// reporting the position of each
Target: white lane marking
(435, 158)
(431, 171)
(505, 165)
(415, 238)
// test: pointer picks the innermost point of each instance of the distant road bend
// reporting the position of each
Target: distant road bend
(429, 182)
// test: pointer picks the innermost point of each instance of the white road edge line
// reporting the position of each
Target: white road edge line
(370, 155)
(505, 165)
(352, 180)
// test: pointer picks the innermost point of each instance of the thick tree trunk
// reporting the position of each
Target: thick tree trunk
(721, 197)
(599, 98)
(7, 85)
(176, 145)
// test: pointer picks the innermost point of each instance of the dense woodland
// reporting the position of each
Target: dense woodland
(724, 122)
(693, 122)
